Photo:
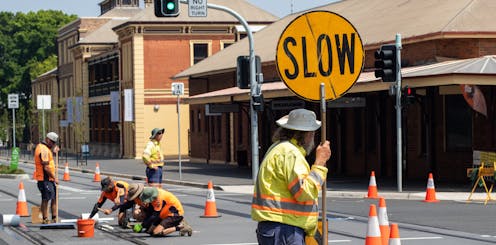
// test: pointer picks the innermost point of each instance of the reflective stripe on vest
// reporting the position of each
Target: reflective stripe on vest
(283, 205)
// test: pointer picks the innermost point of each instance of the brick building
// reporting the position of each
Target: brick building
(441, 131)
(114, 73)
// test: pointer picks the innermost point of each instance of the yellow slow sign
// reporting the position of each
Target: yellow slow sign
(319, 47)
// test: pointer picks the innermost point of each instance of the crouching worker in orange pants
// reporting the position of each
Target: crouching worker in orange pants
(166, 213)
(116, 191)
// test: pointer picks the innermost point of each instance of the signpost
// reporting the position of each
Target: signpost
(44, 102)
(320, 57)
(13, 103)
(178, 89)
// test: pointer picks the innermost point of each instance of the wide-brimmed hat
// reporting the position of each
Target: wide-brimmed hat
(300, 119)
(149, 194)
(53, 137)
(155, 131)
(134, 191)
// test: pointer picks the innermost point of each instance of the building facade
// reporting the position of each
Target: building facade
(441, 132)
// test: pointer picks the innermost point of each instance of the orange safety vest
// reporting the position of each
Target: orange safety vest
(112, 196)
(43, 153)
(166, 201)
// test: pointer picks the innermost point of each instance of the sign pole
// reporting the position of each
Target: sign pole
(322, 141)
(179, 138)
(13, 128)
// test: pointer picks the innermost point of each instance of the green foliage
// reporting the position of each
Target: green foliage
(4, 169)
(27, 49)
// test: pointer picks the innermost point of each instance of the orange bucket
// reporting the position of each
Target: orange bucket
(86, 227)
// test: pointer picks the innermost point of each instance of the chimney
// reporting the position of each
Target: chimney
(148, 3)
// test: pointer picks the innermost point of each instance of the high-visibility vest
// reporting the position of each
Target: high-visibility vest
(153, 153)
(286, 190)
(112, 196)
(43, 153)
(167, 204)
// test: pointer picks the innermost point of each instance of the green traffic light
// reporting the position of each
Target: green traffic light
(170, 6)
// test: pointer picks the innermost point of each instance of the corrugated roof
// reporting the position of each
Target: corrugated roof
(478, 66)
(121, 12)
(377, 21)
(250, 13)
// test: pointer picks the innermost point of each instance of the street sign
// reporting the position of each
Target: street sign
(13, 101)
(319, 47)
(44, 102)
(177, 88)
(197, 8)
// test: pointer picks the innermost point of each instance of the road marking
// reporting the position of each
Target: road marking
(231, 244)
(6, 200)
(422, 238)
(338, 241)
(71, 198)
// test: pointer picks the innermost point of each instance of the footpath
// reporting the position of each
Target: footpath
(231, 178)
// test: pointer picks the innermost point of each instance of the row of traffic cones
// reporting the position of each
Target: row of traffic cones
(67, 177)
(379, 232)
(430, 194)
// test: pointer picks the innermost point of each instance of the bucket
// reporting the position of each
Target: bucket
(86, 227)
(10, 219)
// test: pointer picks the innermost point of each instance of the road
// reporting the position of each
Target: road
(447, 222)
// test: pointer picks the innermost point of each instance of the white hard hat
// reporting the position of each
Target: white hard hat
(53, 137)
(300, 119)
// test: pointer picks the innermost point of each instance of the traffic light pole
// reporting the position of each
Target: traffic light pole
(399, 151)
(254, 87)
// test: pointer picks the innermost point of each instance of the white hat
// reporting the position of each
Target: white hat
(53, 137)
(299, 119)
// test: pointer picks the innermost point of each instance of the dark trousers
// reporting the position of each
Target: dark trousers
(273, 233)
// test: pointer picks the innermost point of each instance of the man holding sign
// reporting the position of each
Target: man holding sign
(286, 192)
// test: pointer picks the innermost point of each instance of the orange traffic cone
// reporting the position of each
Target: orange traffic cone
(66, 173)
(383, 221)
(96, 177)
(373, 231)
(22, 205)
(372, 193)
(210, 207)
(430, 194)
(394, 238)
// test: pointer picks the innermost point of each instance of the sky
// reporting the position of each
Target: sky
(89, 8)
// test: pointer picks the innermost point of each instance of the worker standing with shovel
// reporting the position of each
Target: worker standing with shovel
(45, 175)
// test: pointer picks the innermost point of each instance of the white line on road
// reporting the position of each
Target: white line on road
(6, 200)
(338, 241)
(231, 244)
(71, 198)
(422, 238)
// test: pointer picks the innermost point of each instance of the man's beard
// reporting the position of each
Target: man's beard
(309, 146)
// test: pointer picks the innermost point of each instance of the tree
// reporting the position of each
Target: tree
(27, 50)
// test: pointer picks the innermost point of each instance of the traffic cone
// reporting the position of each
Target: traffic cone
(373, 232)
(372, 193)
(430, 194)
(22, 205)
(383, 221)
(394, 238)
(96, 177)
(66, 173)
(210, 207)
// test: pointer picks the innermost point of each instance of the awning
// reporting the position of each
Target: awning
(477, 71)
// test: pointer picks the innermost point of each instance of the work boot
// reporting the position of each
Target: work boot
(185, 228)
(45, 221)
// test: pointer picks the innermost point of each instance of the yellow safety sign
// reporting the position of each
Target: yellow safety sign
(319, 47)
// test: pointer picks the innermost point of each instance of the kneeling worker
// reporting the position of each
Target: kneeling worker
(164, 212)
(116, 191)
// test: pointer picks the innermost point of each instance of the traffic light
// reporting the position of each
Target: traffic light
(409, 95)
(243, 70)
(386, 65)
(166, 8)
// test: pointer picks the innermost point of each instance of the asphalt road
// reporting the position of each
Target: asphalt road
(447, 222)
